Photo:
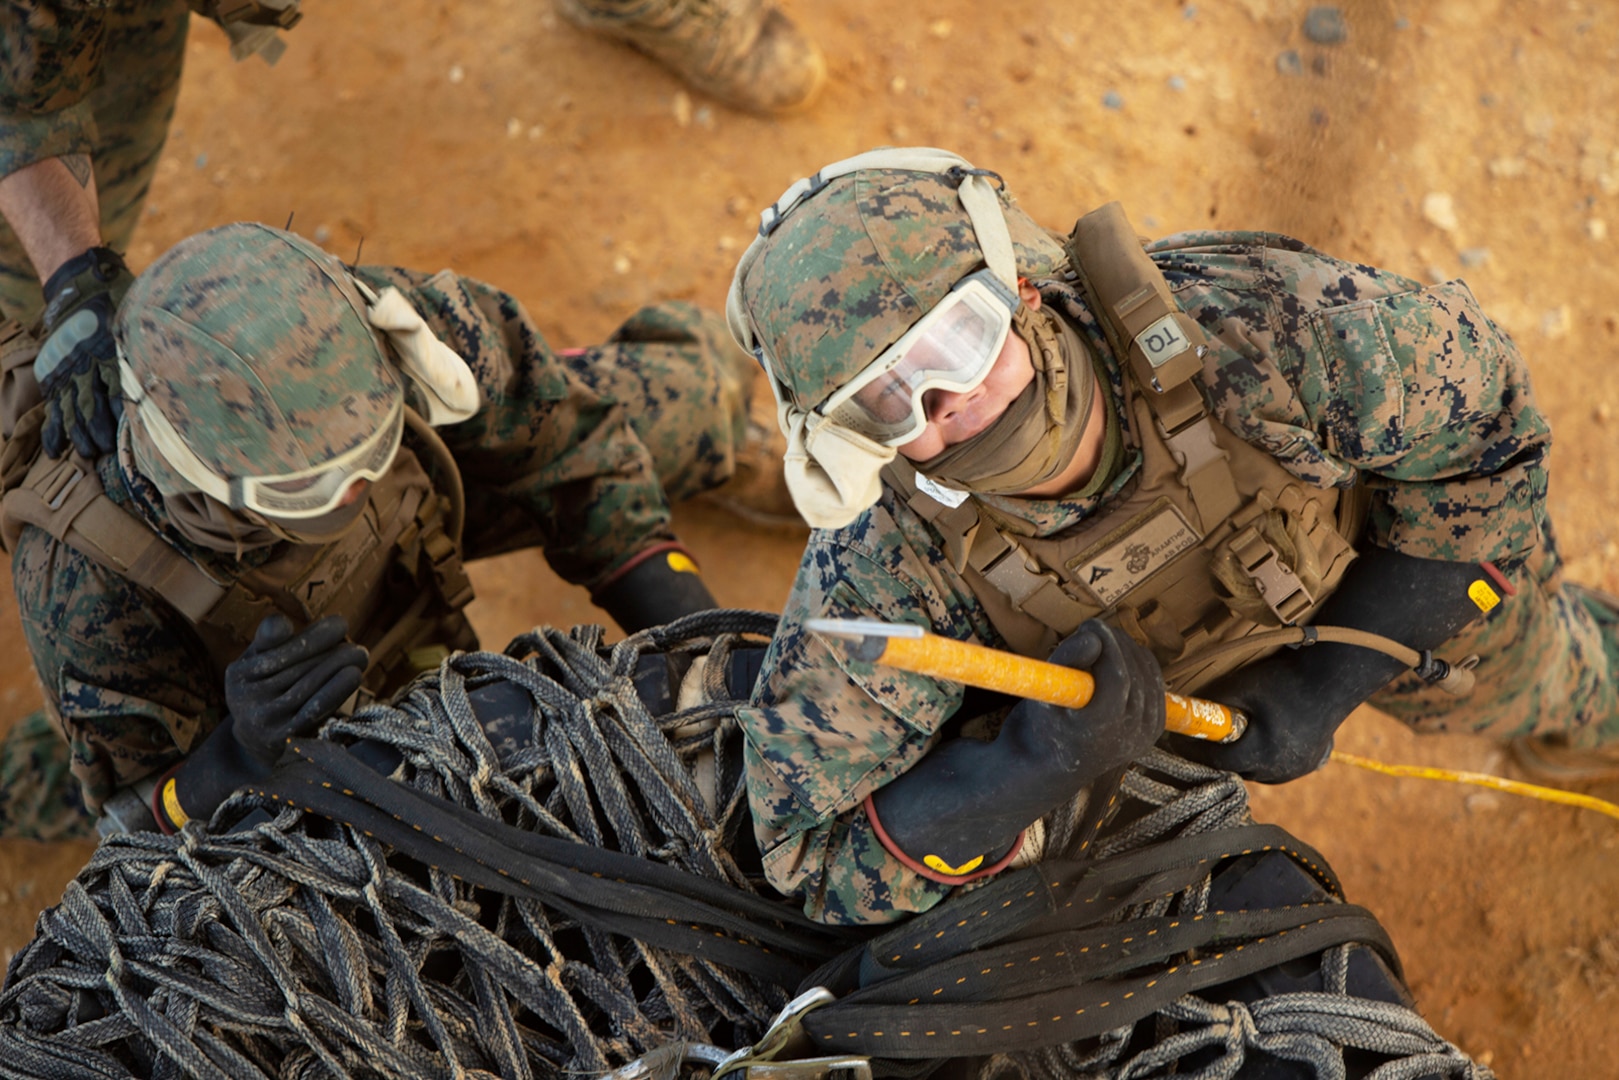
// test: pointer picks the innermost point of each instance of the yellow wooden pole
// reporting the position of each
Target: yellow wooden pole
(1040, 680)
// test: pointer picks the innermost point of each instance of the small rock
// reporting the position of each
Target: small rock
(1482, 802)
(514, 128)
(941, 28)
(1177, 83)
(458, 74)
(726, 243)
(682, 108)
(1113, 100)
(621, 264)
(1509, 168)
(202, 160)
(1325, 25)
(322, 234)
(704, 117)
(1189, 11)
(1596, 229)
(897, 84)
(1440, 210)
(1289, 63)
(1556, 322)
(535, 132)
(1474, 257)
(736, 205)
(1603, 412)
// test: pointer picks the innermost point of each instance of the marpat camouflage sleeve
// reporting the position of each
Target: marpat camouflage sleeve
(824, 730)
(50, 53)
(547, 460)
(119, 668)
(1340, 369)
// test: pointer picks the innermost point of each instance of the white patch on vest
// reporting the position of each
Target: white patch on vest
(1137, 556)
(1162, 341)
(949, 496)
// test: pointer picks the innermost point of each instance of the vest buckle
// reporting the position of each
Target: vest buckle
(1279, 586)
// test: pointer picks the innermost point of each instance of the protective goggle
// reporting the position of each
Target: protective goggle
(952, 347)
(306, 493)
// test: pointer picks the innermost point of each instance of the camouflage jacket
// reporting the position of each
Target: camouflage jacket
(548, 460)
(50, 59)
(1344, 373)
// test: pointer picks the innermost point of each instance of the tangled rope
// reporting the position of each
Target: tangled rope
(278, 942)
(294, 947)
(1163, 797)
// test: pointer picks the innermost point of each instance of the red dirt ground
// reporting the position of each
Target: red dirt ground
(495, 139)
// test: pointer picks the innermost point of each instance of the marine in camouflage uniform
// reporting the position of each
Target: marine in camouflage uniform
(570, 453)
(1347, 375)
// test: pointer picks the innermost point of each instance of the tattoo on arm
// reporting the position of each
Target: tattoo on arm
(79, 166)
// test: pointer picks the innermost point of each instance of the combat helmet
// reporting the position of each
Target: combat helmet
(849, 267)
(258, 371)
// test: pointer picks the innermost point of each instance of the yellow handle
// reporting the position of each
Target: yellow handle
(1040, 680)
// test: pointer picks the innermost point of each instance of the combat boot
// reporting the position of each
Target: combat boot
(744, 52)
(1552, 758)
(39, 795)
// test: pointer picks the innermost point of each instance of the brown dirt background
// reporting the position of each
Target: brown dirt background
(493, 138)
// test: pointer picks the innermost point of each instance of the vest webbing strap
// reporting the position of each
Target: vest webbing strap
(1159, 345)
(65, 498)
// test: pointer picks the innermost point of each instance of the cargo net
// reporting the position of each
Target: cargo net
(1342, 1012)
(279, 942)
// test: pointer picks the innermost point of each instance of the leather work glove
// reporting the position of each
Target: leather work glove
(77, 366)
(658, 587)
(282, 686)
(1297, 697)
(958, 813)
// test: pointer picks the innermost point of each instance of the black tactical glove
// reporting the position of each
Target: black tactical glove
(659, 588)
(1296, 698)
(281, 686)
(956, 813)
(77, 366)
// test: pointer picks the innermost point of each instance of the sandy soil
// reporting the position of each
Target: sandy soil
(1445, 138)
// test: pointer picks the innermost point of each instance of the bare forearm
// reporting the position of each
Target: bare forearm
(52, 207)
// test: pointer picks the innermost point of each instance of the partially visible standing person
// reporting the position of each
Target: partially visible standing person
(87, 92)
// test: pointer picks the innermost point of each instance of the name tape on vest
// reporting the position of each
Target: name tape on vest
(1139, 554)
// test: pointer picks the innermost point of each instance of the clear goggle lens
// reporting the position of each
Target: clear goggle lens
(952, 348)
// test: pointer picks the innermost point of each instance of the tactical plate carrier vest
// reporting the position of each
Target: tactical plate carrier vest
(1212, 540)
(396, 575)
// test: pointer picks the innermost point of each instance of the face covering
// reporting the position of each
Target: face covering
(1039, 433)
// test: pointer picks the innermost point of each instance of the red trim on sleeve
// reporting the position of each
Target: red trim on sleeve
(1499, 577)
(928, 872)
(660, 548)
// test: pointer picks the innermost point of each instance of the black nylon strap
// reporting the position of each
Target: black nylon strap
(600, 888)
(921, 1028)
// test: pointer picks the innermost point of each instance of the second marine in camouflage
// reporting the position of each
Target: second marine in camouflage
(1001, 436)
(268, 469)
